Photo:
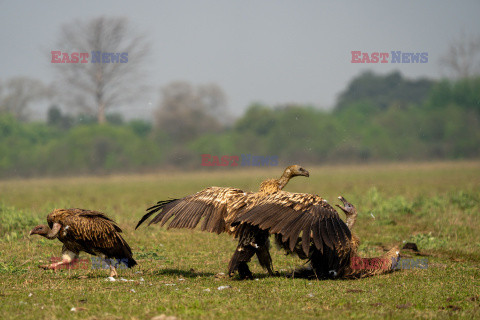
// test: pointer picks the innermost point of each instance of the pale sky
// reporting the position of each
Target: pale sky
(273, 52)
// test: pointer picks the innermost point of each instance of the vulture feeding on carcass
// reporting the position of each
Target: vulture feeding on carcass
(88, 231)
(308, 226)
(365, 267)
(219, 206)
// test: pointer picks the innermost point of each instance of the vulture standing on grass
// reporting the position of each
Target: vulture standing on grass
(88, 231)
(219, 207)
(308, 226)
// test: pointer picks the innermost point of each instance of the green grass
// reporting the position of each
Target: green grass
(434, 205)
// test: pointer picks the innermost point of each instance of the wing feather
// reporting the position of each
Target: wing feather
(293, 214)
(306, 233)
(325, 234)
(343, 232)
(317, 239)
(213, 205)
(295, 230)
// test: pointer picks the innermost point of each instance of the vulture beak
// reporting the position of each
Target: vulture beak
(345, 203)
(347, 207)
(303, 172)
(33, 231)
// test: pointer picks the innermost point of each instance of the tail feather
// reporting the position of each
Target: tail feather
(121, 253)
(131, 262)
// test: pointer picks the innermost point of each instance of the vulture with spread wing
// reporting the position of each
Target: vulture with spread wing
(303, 224)
(218, 207)
(88, 231)
(308, 226)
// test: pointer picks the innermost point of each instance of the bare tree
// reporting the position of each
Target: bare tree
(186, 111)
(113, 72)
(18, 93)
(214, 101)
(462, 58)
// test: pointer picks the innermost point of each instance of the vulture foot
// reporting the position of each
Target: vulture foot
(244, 272)
(113, 272)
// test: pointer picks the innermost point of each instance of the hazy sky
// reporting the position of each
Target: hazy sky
(274, 52)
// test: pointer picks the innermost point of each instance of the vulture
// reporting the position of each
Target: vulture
(309, 227)
(365, 267)
(88, 231)
(218, 207)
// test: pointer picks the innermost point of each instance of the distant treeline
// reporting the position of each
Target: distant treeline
(377, 118)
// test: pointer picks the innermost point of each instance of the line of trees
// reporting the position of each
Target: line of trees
(376, 118)
(441, 122)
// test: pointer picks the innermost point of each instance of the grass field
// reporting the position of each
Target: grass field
(434, 205)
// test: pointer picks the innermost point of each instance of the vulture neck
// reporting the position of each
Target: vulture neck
(52, 233)
(351, 219)
(282, 182)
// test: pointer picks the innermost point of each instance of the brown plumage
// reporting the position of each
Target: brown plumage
(274, 185)
(219, 207)
(215, 205)
(88, 231)
(252, 239)
(304, 224)
(308, 226)
(365, 267)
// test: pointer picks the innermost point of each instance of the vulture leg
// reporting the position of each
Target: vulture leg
(113, 271)
(112, 264)
(252, 241)
(68, 258)
(263, 253)
(244, 272)
(239, 260)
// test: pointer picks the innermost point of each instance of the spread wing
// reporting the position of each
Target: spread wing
(215, 205)
(298, 216)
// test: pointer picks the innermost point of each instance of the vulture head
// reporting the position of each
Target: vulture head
(350, 212)
(45, 231)
(347, 207)
(40, 230)
(296, 170)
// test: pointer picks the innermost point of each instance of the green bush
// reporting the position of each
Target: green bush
(100, 149)
(435, 121)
